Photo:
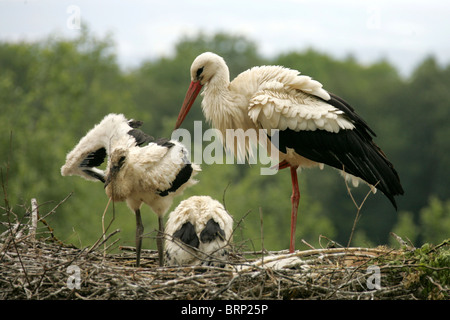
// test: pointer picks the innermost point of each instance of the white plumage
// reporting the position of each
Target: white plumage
(313, 126)
(198, 231)
(140, 169)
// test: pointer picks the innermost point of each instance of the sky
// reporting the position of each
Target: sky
(403, 32)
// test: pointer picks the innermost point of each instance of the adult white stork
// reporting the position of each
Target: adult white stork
(315, 126)
(140, 169)
(198, 231)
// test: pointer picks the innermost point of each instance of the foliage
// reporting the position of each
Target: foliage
(435, 219)
(52, 92)
(429, 273)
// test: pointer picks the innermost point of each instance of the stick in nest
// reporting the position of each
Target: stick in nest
(104, 230)
(358, 208)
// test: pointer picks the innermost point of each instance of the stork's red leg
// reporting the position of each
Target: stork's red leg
(295, 198)
(282, 165)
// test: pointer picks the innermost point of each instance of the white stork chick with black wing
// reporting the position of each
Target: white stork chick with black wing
(315, 127)
(140, 169)
(198, 232)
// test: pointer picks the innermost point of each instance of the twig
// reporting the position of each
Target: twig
(96, 244)
(402, 242)
(358, 207)
(103, 223)
(56, 207)
(6, 179)
(105, 239)
(331, 243)
(223, 196)
(309, 245)
(42, 219)
(262, 233)
(34, 218)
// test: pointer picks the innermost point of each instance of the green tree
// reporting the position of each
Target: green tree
(51, 94)
(425, 112)
(435, 221)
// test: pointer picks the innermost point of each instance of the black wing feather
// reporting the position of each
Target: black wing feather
(346, 151)
(187, 235)
(135, 123)
(182, 177)
(95, 175)
(141, 137)
(164, 142)
(211, 231)
(94, 159)
(350, 150)
(341, 104)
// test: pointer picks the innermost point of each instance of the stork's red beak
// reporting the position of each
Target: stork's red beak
(189, 99)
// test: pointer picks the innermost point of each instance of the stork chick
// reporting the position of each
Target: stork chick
(140, 169)
(198, 231)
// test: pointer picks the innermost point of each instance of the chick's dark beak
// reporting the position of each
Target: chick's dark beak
(111, 175)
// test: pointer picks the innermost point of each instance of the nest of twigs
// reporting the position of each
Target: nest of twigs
(35, 265)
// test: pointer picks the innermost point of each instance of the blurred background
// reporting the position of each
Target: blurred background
(64, 65)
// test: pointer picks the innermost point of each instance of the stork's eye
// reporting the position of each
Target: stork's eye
(199, 72)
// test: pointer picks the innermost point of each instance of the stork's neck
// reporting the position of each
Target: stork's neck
(218, 85)
(226, 109)
(218, 104)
